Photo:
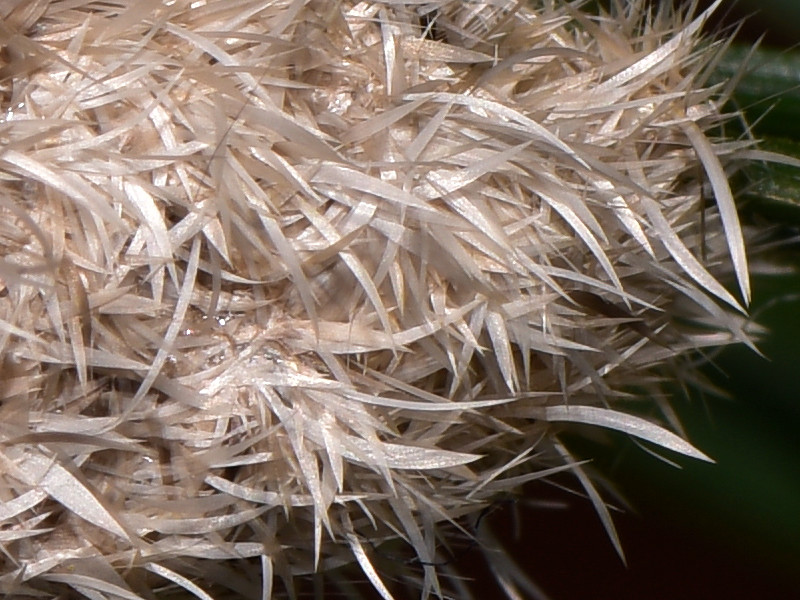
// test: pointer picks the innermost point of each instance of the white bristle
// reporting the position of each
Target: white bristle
(284, 280)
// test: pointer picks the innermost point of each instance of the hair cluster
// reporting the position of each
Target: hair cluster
(285, 280)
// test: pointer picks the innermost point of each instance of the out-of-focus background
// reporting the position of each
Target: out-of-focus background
(730, 530)
(698, 531)
(777, 20)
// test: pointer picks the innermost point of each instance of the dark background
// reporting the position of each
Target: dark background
(724, 531)
(698, 531)
(777, 20)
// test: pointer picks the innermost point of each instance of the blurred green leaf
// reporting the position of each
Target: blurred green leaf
(769, 89)
(772, 190)
(768, 95)
(748, 501)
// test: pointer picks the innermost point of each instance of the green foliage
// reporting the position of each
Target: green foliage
(747, 503)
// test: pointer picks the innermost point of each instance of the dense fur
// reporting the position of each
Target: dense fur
(283, 279)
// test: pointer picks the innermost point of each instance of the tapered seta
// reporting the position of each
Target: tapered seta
(289, 285)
